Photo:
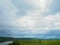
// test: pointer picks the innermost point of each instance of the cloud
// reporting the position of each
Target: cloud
(7, 16)
(38, 16)
(38, 21)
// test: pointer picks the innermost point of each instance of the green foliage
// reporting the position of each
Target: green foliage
(9, 44)
(15, 43)
(3, 39)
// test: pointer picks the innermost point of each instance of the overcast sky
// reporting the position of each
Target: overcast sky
(29, 16)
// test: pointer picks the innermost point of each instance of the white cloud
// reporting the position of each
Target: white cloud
(34, 20)
(37, 21)
(8, 13)
(44, 4)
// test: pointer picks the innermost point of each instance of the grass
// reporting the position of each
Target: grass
(30, 41)
(36, 42)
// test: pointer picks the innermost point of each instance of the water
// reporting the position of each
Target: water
(6, 43)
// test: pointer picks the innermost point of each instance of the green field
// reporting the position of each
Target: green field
(36, 42)
(30, 41)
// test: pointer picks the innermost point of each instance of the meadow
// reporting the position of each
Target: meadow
(30, 41)
(36, 42)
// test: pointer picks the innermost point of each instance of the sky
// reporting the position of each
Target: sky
(28, 17)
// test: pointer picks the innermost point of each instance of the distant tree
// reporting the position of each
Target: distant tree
(40, 41)
(15, 43)
(10, 44)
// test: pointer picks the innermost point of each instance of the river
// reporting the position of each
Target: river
(6, 43)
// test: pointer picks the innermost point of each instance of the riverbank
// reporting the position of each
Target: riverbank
(6, 43)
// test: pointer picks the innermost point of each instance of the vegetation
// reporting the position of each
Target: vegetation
(3, 39)
(30, 41)
(36, 42)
